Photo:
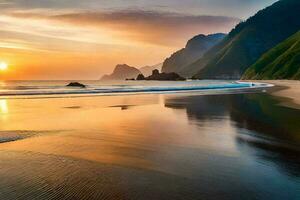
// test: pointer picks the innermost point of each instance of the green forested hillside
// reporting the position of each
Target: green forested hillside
(281, 62)
(248, 41)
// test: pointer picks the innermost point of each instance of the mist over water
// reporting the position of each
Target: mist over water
(150, 146)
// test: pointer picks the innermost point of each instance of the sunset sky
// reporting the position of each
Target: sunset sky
(83, 39)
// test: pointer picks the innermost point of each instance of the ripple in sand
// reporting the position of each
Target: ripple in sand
(10, 136)
(54, 177)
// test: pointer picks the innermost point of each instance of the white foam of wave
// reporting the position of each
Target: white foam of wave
(132, 89)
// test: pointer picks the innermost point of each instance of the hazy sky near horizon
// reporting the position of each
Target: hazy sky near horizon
(75, 39)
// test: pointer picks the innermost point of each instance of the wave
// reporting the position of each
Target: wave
(191, 86)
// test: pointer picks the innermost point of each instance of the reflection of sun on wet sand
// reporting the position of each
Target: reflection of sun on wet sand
(3, 106)
(148, 146)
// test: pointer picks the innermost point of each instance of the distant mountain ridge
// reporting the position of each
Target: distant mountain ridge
(194, 49)
(281, 62)
(122, 72)
(247, 42)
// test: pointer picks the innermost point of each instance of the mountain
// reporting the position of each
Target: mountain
(248, 41)
(194, 49)
(281, 62)
(147, 70)
(122, 72)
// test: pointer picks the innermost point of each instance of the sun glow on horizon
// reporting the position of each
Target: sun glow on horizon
(3, 66)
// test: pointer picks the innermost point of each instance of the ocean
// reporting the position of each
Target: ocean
(29, 88)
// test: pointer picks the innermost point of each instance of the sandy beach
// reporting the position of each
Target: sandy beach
(287, 89)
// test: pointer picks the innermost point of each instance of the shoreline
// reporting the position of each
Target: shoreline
(287, 90)
(110, 90)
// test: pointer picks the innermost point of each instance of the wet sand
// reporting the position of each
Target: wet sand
(287, 89)
(156, 146)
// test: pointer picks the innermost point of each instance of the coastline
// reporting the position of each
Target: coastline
(287, 90)
(59, 88)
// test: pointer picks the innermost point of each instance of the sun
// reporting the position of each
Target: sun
(3, 66)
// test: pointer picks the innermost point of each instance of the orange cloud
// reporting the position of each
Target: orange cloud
(43, 44)
(159, 28)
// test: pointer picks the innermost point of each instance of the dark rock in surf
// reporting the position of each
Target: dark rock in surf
(76, 84)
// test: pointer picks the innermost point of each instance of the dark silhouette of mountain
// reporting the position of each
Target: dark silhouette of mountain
(281, 62)
(248, 41)
(194, 49)
(122, 72)
(147, 70)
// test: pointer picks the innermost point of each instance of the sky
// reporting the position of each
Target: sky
(76, 39)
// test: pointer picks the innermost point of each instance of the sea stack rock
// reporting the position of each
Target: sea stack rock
(140, 77)
(147, 70)
(156, 76)
(155, 72)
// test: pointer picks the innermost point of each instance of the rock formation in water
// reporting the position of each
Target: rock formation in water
(147, 70)
(140, 77)
(156, 76)
(76, 84)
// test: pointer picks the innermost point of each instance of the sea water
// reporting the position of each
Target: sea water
(16, 88)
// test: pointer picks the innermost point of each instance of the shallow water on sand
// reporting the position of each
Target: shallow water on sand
(155, 146)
